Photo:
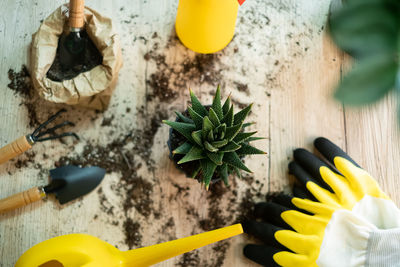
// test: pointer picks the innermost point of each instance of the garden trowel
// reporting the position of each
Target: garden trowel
(76, 250)
(72, 45)
(67, 183)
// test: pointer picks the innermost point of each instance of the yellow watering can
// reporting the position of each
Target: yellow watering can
(81, 250)
(206, 26)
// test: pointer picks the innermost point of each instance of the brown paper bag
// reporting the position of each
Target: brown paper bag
(90, 89)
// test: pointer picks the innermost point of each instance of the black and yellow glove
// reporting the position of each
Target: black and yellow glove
(334, 214)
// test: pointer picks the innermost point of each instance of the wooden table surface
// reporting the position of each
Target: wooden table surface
(281, 59)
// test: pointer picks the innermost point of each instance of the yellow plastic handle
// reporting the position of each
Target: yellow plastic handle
(147, 256)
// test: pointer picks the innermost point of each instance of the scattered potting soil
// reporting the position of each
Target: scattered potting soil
(133, 238)
(128, 154)
(92, 58)
(20, 81)
(191, 258)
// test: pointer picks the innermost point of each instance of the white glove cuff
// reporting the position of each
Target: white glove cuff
(383, 248)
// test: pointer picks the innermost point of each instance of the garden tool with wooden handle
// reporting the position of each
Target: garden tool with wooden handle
(75, 250)
(41, 134)
(67, 182)
(72, 46)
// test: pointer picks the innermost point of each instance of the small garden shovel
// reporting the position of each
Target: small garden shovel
(67, 182)
(72, 46)
(75, 250)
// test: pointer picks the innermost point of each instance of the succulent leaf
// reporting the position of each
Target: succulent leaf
(231, 132)
(255, 139)
(208, 168)
(219, 144)
(197, 137)
(183, 128)
(195, 153)
(197, 106)
(233, 159)
(197, 119)
(241, 115)
(214, 117)
(241, 137)
(183, 149)
(183, 118)
(196, 170)
(249, 150)
(224, 173)
(228, 118)
(215, 157)
(216, 105)
(207, 126)
(227, 105)
(209, 147)
(232, 146)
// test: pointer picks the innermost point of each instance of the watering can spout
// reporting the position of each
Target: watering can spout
(148, 256)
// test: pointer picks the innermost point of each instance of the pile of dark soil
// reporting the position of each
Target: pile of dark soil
(92, 58)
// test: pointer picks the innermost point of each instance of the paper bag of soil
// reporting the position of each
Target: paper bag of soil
(92, 88)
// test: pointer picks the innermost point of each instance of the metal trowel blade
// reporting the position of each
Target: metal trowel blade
(76, 181)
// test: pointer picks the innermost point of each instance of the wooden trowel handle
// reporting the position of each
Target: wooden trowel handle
(76, 13)
(21, 199)
(14, 149)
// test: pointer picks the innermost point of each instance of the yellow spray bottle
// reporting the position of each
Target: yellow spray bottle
(81, 250)
(206, 26)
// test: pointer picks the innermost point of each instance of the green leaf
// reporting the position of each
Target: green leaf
(232, 146)
(228, 119)
(222, 131)
(241, 137)
(249, 150)
(364, 27)
(197, 106)
(183, 118)
(194, 154)
(226, 106)
(197, 119)
(196, 171)
(231, 132)
(197, 137)
(183, 149)
(207, 126)
(208, 168)
(370, 80)
(237, 171)
(241, 115)
(215, 157)
(210, 136)
(219, 144)
(233, 159)
(209, 147)
(224, 173)
(247, 124)
(184, 129)
(255, 139)
(214, 117)
(216, 105)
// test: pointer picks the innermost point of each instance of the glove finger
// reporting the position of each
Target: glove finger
(272, 213)
(261, 254)
(265, 232)
(300, 192)
(303, 176)
(329, 150)
(281, 199)
(311, 164)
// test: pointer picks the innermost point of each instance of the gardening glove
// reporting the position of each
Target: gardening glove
(332, 220)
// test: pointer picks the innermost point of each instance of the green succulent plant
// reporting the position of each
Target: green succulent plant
(369, 31)
(214, 138)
